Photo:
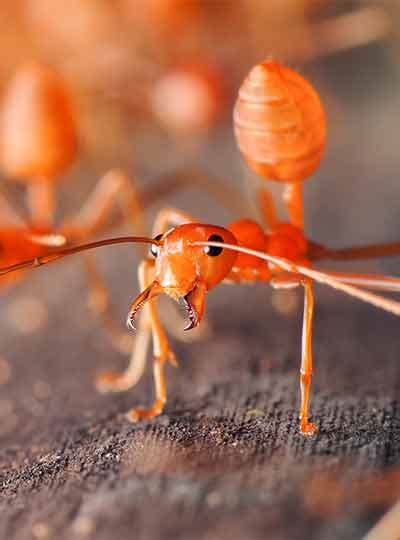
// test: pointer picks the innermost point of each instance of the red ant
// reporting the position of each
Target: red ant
(191, 258)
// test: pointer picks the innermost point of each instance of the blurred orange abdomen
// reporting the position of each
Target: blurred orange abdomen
(279, 123)
(38, 136)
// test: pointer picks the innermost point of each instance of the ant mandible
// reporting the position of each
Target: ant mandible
(189, 259)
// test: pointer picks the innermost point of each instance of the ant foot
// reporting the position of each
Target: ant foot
(308, 429)
(139, 413)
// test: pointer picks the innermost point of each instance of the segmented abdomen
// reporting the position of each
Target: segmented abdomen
(279, 123)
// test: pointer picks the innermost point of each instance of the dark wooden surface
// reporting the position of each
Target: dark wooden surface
(226, 459)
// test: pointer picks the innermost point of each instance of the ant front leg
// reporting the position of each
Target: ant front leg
(161, 350)
(113, 381)
(286, 280)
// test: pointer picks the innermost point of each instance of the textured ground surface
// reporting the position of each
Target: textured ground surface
(225, 460)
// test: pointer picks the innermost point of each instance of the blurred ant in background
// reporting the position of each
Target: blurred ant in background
(38, 142)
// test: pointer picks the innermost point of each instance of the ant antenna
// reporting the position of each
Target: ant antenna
(52, 257)
(374, 299)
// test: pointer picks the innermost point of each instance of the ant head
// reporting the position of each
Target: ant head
(187, 271)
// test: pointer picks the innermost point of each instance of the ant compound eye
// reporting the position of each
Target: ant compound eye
(214, 251)
(153, 247)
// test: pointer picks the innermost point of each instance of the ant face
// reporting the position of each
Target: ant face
(186, 271)
(180, 264)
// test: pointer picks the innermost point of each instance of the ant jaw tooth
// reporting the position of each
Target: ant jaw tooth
(195, 302)
(152, 291)
(130, 322)
(137, 305)
(193, 322)
(194, 319)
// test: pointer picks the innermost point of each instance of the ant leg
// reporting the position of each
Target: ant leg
(170, 217)
(293, 199)
(161, 350)
(113, 381)
(307, 428)
(139, 413)
(100, 304)
(41, 201)
(267, 207)
(183, 179)
(114, 188)
(288, 280)
(169, 183)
